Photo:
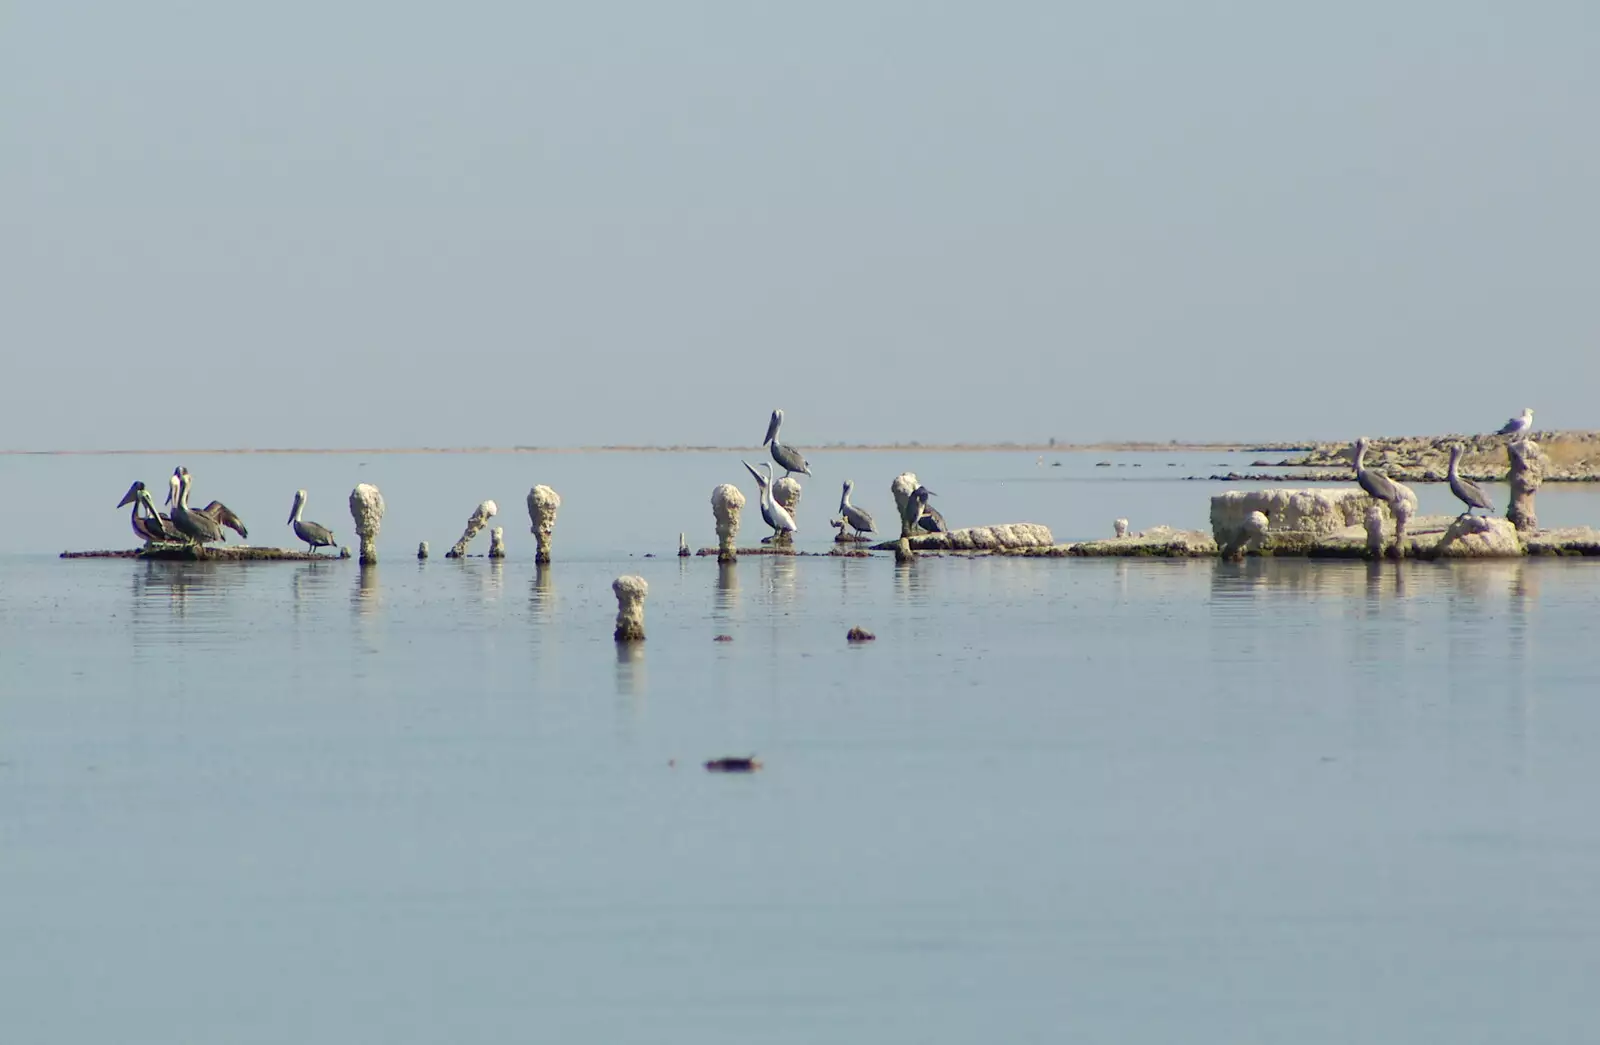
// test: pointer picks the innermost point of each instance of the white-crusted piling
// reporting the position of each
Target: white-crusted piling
(1120, 527)
(726, 503)
(1527, 472)
(1374, 524)
(902, 487)
(366, 508)
(497, 543)
(786, 491)
(480, 517)
(630, 592)
(543, 503)
(1403, 507)
(683, 546)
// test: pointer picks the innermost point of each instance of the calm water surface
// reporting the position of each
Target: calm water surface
(1064, 800)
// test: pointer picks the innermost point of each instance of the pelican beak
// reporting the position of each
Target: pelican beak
(759, 480)
(132, 495)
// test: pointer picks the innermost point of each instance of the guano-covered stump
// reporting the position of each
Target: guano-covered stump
(726, 503)
(630, 592)
(366, 508)
(903, 486)
(543, 503)
(1526, 474)
(480, 518)
(497, 543)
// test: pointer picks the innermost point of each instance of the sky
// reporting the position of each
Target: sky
(499, 224)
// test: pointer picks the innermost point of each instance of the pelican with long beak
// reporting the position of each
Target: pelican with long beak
(787, 456)
(193, 525)
(152, 526)
(858, 518)
(216, 511)
(773, 514)
(314, 534)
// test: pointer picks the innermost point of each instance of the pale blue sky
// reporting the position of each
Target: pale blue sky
(369, 223)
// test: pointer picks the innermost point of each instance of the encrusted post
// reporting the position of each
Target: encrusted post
(480, 516)
(366, 508)
(1403, 507)
(1527, 472)
(422, 549)
(630, 592)
(902, 488)
(786, 491)
(1121, 527)
(683, 546)
(1374, 523)
(497, 543)
(542, 505)
(726, 502)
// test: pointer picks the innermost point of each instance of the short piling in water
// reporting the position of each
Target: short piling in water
(543, 503)
(480, 518)
(786, 492)
(422, 549)
(1403, 507)
(1120, 527)
(630, 592)
(497, 543)
(903, 486)
(683, 546)
(1526, 474)
(726, 503)
(366, 508)
(1374, 525)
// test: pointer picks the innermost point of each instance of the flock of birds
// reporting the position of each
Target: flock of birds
(919, 514)
(199, 526)
(1383, 488)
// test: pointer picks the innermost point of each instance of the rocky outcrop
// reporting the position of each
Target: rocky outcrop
(1572, 457)
(980, 538)
(1478, 537)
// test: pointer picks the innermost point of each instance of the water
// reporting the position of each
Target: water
(1054, 800)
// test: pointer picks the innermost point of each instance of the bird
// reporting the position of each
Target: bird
(1518, 427)
(860, 519)
(1469, 492)
(151, 527)
(314, 534)
(216, 511)
(1376, 484)
(787, 456)
(920, 514)
(773, 514)
(198, 528)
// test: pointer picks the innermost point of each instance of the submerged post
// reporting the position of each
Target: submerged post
(480, 516)
(902, 487)
(366, 508)
(542, 505)
(497, 543)
(1527, 472)
(630, 592)
(726, 503)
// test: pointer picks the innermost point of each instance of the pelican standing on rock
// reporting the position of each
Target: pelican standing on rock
(216, 511)
(858, 518)
(1518, 427)
(197, 527)
(1469, 492)
(773, 514)
(314, 534)
(150, 527)
(787, 456)
(922, 515)
(1376, 484)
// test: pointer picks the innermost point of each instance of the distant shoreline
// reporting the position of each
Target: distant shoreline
(1032, 448)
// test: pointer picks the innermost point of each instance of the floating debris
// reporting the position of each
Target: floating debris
(734, 765)
(859, 635)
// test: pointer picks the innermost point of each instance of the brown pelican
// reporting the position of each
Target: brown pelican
(787, 456)
(1376, 484)
(314, 534)
(150, 527)
(1466, 490)
(1518, 427)
(198, 528)
(216, 511)
(774, 514)
(921, 514)
(858, 518)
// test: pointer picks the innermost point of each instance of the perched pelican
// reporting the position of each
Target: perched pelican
(858, 518)
(923, 515)
(314, 534)
(216, 511)
(1469, 492)
(773, 514)
(198, 528)
(1518, 427)
(1375, 483)
(787, 456)
(153, 526)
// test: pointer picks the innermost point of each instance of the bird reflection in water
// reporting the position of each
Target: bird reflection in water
(913, 581)
(172, 584)
(781, 578)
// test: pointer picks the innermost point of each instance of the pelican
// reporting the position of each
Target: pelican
(216, 511)
(314, 534)
(859, 519)
(923, 515)
(773, 514)
(151, 527)
(787, 456)
(198, 528)
(1466, 490)
(1376, 484)
(1518, 427)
